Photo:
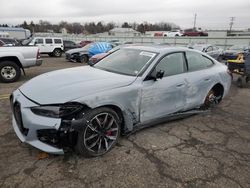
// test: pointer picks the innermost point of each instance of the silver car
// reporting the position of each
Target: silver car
(212, 50)
(88, 108)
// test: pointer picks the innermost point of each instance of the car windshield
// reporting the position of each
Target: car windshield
(126, 61)
(237, 47)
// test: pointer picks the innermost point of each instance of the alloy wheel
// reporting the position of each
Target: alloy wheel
(101, 133)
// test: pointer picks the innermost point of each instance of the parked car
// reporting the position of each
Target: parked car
(174, 33)
(52, 46)
(83, 54)
(68, 45)
(233, 51)
(194, 32)
(212, 50)
(84, 43)
(15, 59)
(95, 58)
(89, 107)
(1, 43)
(9, 42)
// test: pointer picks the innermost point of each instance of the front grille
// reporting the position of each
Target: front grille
(18, 117)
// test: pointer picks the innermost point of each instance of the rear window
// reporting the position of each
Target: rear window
(197, 61)
(57, 41)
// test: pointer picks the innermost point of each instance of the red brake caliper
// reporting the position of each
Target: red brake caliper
(108, 133)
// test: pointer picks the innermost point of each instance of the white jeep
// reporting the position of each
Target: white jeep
(48, 45)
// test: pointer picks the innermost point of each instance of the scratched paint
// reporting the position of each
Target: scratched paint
(139, 99)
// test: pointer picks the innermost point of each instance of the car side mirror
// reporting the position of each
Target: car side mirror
(160, 74)
(157, 74)
(35, 43)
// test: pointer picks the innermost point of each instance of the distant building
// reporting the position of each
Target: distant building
(64, 31)
(14, 32)
(126, 32)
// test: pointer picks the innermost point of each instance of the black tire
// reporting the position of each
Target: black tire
(57, 52)
(9, 71)
(96, 139)
(177, 35)
(84, 59)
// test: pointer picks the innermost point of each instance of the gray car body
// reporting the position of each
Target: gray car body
(140, 101)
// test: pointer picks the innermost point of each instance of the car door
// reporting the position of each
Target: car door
(40, 43)
(200, 78)
(49, 46)
(167, 95)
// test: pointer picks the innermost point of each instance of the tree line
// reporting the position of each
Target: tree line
(92, 27)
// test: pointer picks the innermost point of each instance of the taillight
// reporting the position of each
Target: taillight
(38, 55)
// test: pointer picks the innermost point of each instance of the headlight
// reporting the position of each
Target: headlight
(57, 111)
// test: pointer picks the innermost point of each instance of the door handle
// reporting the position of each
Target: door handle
(207, 79)
(179, 85)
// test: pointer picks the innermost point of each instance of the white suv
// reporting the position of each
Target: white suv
(48, 45)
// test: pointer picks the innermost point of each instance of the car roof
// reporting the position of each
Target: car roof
(157, 48)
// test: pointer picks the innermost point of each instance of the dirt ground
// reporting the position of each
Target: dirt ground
(206, 150)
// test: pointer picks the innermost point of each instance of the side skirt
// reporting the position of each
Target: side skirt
(168, 118)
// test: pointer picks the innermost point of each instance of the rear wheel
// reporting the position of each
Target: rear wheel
(9, 71)
(57, 53)
(101, 133)
(211, 100)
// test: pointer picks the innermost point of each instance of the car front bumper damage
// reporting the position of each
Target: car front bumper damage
(51, 135)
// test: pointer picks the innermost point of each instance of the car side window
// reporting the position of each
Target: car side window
(39, 41)
(57, 41)
(197, 61)
(48, 41)
(172, 64)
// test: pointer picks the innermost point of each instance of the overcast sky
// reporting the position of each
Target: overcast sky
(213, 14)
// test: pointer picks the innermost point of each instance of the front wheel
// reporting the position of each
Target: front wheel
(101, 133)
(84, 59)
(9, 71)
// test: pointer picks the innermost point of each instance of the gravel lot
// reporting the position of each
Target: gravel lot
(206, 150)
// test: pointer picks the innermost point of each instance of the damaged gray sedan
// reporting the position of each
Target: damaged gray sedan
(88, 108)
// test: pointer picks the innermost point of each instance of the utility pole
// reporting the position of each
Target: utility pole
(195, 15)
(231, 23)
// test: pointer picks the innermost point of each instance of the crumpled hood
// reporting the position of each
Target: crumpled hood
(76, 50)
(68, 84)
